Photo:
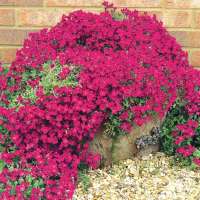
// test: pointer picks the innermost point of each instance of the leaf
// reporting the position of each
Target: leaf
(2, 165)
(85, 180)
(118, 16)
(197, 153)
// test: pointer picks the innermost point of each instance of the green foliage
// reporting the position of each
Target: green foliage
(13, 102)
(133, 101)
(176, 115)
(197, 153)
(34, 183)
(50, 77)
(83, 167)
(5, 69)
(196, 142)
(25, 90)
(112, 127)
(7, 144)
(118, 15)
(84, 180)
(184, 162)
(2, 187)
(2, 164)
(30, 93)
(29, 74)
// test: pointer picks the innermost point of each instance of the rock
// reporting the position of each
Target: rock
(102, 144)
(147, 140)
(148, 150)
(148, 144)
(123, 147)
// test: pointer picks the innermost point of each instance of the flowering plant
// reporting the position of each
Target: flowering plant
(66, 82)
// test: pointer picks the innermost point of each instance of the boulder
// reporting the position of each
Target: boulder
(124, 146)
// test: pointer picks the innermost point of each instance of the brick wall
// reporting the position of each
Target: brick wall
(18, 17)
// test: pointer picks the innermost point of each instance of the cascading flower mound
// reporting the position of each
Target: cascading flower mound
(66, 82)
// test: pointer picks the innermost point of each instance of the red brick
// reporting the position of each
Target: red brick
(159, 14)
(195, 58)
(137, 3)
(7, 17)
(28, 2)
(7, 55)
(182, 4)
(173, 18)
(197, 19)
(13, 36)
(7, 2)
(75, 3)
(187, 38)
(42, 17)
(39, 17)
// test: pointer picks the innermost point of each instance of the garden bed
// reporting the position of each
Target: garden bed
(94, 90)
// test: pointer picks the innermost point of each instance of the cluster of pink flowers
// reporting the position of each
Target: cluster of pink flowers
(189, 136)
(132, 58)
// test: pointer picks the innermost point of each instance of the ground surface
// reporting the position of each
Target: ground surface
(152, 177)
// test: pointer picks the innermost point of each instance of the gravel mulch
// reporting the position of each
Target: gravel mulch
(152, 177)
